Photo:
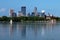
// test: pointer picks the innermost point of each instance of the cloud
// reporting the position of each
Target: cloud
(2, 10)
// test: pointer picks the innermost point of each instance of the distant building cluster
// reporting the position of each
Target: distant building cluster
(12, 13)
(23, 13)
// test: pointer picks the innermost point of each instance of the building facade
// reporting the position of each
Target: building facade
(23, 10)
(20, 14)
(12, 13)
(35, 11)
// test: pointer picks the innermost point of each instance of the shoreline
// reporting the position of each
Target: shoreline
(28, 19)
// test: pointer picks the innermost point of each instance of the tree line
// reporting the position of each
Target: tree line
(24, 18)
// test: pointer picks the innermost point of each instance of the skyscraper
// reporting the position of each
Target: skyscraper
(23, 10)
(35, 11)
(12, 13)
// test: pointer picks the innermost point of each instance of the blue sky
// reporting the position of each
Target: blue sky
(51, 6)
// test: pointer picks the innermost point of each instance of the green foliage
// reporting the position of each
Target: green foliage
(4, 18)
(24, 18)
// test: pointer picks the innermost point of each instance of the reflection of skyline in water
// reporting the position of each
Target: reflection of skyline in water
(28, 30)
(21, 27)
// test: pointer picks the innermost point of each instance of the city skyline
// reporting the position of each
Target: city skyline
(22, 12)
(51, 6)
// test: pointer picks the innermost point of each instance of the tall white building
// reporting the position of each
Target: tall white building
(35, 11)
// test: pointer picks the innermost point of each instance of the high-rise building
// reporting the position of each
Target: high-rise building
(23, 10)
(35, 11)
(20, 13)
(12, 13)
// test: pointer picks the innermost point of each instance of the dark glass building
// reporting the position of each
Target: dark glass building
(23, 10)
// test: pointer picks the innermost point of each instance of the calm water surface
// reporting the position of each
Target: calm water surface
(30, 31)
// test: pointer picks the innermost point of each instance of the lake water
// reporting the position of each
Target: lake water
(30, 31)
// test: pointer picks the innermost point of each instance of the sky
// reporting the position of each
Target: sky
(50, 6)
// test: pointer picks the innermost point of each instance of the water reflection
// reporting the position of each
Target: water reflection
(18, 30)
(13, 28)
(29, 30)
